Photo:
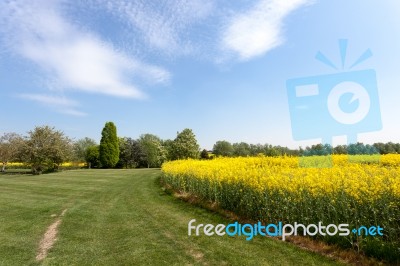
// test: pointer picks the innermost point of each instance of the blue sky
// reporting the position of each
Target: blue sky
(217, 67)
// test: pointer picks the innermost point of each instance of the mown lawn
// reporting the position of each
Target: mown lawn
(121, 217)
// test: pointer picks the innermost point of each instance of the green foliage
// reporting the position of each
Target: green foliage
(352, 149)
(153, 153)
(131, 153)
(109, 146)
(92, 156)
(241, 149)
(318, 149)
(340, 149)
(386, 148)
(223, 148)
(360, 148)
(169, 149)
(45, 149)
(10, 143)
(185, 145)
(80, 148)
(204, 154)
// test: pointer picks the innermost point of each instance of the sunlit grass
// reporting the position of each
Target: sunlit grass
(121, 217)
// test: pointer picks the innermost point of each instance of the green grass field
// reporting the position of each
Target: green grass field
(120, 217)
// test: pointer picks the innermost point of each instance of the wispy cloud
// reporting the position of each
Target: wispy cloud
(162, 26)
(59, 103)
(69, 56)
(72, 112)
(258, 30)
(49, 100)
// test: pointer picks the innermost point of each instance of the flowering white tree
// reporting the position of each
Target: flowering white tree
(10, 144)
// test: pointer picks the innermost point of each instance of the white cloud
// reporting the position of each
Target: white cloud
(72, 112)
(49, 100)
(59, 103)
(255, 32)
(162, 27)
(54, 37)
(69, 56)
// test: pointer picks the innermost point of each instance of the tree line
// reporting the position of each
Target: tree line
(225, 148)
(44, 149)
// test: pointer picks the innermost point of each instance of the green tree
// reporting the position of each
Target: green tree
(10, 143)
(380, 147)
(45, 149)
(109, 146)
(169, 149)
(92, 157)
(256, 149)
(138, 154)
(185, 145)
(204, 154)
(340, 149)
(361, 148)
(241, 149)
(270, 150)
(131, 154)
(390, 147)
(223, 148)
(318, 149)
(152, 151)
(80, 148)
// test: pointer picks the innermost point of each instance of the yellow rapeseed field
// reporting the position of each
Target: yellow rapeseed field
(66, 164)
(364, 182)
(358, 190)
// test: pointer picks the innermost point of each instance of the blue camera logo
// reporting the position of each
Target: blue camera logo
(344, 103)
